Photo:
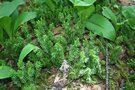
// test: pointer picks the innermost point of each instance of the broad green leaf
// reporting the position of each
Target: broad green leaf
(22, 18)
(6, 25)
(26, 50)
(85, 12)
(6, 72)
(14, 15)
(7, 8)
(107, 12)
(101, 26)
(129, 14)
(82, 2)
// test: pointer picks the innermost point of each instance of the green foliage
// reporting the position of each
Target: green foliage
(82, 2)
(26, 73)
(74, 51)
(117, 51)
(131, 63)
(10, 24)
(23, 18)
(128, 12)
(128, 39)
(100, 26)
(6, 72)
(44, 41)
(25, 51)
(7, 8)
(10, 7)
(107, 12)
(12, 48)
(50, 4)
(57, 54)
(85, 12)
(85, 62)
(85, 8)
(29, 87)
(130, 86)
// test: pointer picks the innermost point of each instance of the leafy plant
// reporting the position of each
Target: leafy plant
(101, 26)
(85, 10)
(85, 62)
(9, 25)
(74, 51)
(115, 57)
(130, 86)
(107, 12)
(6, 72)
(7, 8)
(128, 12)
(22, 18)
(84, 7)
(57, 54)
(26, 72)
(25, 51)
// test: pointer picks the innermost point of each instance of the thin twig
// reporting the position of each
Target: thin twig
(107, 72)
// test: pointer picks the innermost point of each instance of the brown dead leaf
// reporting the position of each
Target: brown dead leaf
(57, 78)
(101, 55)
(56, 30)
(98, 87)
(51, 79)
(85, 87)
(86, 36)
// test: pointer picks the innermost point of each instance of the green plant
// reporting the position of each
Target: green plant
(6, 72)
(128, 11)
(26, 50)
(117, 51)
(84, 7)
(107, 12)
(57, 54)
(84, 61)
(100, 26)
(130, 86)
(26, 72)
(45, 41)
(11, 23)
(22, 18)
(74, 51)
(85, 67)
(10, 7)
(12, 45)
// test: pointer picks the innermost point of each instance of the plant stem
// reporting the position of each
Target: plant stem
(107, 72)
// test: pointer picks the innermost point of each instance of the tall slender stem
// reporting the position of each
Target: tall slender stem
(107, 72)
